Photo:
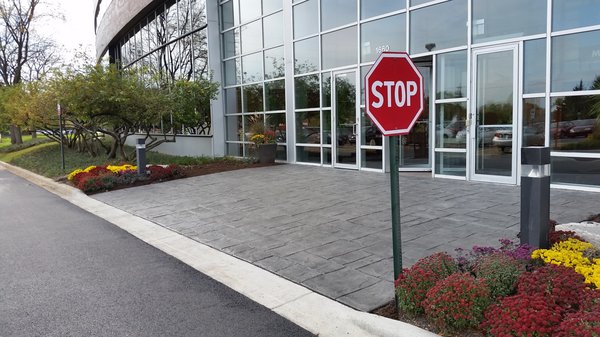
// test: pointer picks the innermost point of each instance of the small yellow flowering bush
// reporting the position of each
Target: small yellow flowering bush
(570, 253)
(117, 169)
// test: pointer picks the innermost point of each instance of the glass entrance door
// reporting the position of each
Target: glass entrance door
(345, 120)
(493, 133)
(414, 151)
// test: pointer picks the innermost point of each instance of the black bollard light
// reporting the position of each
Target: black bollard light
(140, 149)
(535, 195)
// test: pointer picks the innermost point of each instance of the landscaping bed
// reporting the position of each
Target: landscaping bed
(97, 179)
(510, 290)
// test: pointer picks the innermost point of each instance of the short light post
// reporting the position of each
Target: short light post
(535, 195)
(140, 151)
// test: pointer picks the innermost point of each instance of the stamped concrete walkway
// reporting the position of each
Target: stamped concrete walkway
(330, 230)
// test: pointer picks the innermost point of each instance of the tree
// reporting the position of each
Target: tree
(23, 55)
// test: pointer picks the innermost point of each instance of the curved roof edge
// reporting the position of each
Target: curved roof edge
(119, 17)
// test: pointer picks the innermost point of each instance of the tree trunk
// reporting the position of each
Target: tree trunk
(33, 134)
(15, 135)
(113, 150)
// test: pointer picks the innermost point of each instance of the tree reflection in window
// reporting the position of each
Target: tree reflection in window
(168, 46)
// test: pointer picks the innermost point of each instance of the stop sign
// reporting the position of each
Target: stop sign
(394, 93)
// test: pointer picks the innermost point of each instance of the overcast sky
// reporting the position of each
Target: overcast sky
(76, 30)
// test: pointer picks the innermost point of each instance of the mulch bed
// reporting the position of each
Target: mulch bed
(389, 310)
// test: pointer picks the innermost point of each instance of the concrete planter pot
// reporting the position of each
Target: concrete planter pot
(266, 153)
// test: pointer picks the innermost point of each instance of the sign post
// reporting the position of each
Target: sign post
(62, 141)
(394, 101)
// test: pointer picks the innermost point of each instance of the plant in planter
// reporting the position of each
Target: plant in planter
(264, 141)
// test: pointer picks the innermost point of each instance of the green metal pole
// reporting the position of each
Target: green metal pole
(395, 189)
(62, 141)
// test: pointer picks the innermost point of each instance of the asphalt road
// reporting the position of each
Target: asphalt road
(65, 272)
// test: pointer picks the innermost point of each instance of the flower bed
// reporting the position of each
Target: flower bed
(104, 178)
(512, 290)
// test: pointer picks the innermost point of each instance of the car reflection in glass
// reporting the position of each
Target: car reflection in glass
(582, 127)
(531, 137)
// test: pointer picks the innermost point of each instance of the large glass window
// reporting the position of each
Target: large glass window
(434, 28)
(451, 75)
(575, 125)
(306, 19)
(274, 65)
(249, 9)
(307, 91)
(387, 34)
(370, 8)
(451, 164)
(306, 55)
(233, 100)
(575, 171)
(233, 72)
(339, 48)
(275, 95)
(326, 89)
(253, 98)
(252, 67)
(534, 122)
(335, 13)
(273, 30)
(251, 37)
(271, 6)
(451, 125)
(534, 68)
(308, 127)
(567, 14)
(230, 14)
(234, 128)
(231, 43)
(576, 62)
(497, 20)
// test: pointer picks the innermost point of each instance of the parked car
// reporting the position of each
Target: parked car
(560, 129)
(531, 137)
(583, 127)
(453, 128)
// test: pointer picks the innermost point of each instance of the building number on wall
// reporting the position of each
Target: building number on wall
(381, 49)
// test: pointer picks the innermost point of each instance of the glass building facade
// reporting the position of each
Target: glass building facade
(498, 75)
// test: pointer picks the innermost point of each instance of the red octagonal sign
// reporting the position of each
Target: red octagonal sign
(394, 96)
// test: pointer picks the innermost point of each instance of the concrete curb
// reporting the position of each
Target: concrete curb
(314, 312)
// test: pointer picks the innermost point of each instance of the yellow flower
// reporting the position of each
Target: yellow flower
(569, 253)
(73, 174)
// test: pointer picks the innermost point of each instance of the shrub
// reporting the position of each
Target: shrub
(580, 325)
(412, 285)
(500, 272)
(572, 253)
(97, 183)
(128, 177)
(158, 172)
(560, 285)
(457, 302)
(559, 236)
(79, 176)
(508, 247)
(99, 170)
(522, 315)
(590, 301)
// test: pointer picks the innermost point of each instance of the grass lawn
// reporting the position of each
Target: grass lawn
(45, 159)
